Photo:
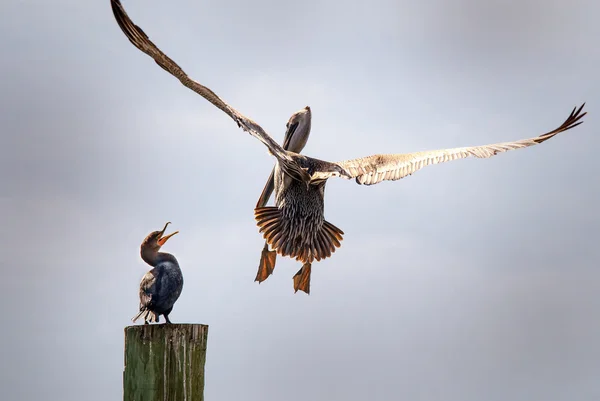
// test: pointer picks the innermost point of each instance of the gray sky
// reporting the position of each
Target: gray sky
(473, 280)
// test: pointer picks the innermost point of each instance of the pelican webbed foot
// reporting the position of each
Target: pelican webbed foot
(266, 264)
(302, 279)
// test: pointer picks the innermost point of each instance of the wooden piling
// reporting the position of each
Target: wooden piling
(164, 362)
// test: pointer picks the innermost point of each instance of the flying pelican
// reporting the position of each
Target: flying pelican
(296, 134)
(161, 286)
(296, 226)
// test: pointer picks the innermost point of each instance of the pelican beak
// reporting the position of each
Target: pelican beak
(289, 133)
(162, 240)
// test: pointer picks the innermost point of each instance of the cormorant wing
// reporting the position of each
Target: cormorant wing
(140, 40)
(148, 288)
(374, 169)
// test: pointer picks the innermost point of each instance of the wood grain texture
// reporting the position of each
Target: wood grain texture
(164, 362)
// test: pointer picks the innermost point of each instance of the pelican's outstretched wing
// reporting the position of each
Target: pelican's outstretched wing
(140, 40)
(374, 169)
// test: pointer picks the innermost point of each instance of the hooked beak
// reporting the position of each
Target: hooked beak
(162, 240)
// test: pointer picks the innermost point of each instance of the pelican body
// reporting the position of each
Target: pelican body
(161, 286)
(296, 226)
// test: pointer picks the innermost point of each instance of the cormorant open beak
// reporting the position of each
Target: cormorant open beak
(162, 240)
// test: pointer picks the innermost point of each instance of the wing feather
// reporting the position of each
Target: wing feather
(374, 169)
(139, 39)
(148, 288)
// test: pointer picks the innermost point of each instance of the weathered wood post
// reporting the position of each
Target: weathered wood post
(164, 362)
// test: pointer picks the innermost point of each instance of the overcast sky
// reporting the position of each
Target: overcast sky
(468, 281)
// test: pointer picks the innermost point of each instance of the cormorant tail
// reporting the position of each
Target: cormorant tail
(148, 315)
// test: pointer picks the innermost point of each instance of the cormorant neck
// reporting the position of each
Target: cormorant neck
(153, 258)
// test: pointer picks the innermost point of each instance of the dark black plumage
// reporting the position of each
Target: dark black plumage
(161, 286)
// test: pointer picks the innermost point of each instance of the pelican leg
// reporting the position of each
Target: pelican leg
(302, 279)
(266, 264)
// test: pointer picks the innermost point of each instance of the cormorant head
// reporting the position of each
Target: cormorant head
(156, 239)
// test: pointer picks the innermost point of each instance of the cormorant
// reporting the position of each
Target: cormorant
(161, 286)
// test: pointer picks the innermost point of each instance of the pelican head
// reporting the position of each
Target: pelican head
(156, 239)
(297, 130)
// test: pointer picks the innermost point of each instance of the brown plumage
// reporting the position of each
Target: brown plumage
(297, 239)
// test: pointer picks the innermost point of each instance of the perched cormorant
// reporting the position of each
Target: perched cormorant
(296, 225)
(161, 286)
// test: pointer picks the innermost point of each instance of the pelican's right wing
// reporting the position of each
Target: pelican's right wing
(140, 40)
(374, 169)
(267, 190)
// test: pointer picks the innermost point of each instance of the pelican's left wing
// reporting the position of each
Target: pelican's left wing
(374, 169)
(140, 40)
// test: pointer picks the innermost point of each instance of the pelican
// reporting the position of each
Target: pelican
(296, 226)
(294, 140)
(161, 286)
